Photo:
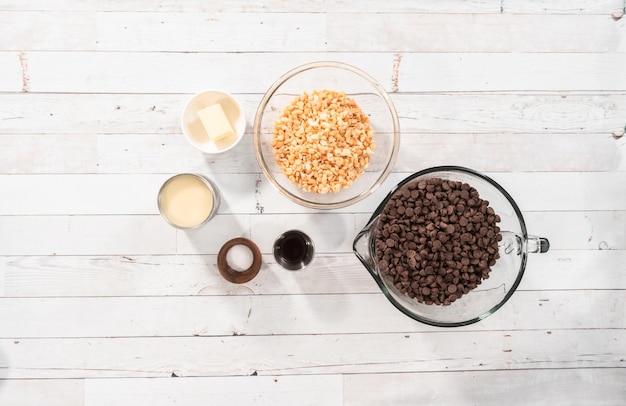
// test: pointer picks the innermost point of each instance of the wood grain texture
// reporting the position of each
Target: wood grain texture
(236, 390)
(158, 153)
(563, 386)
(523, 33)
(585, 385)
(333, 233)
(563, 6)
(249, 6)
(263, 315)
(311, 32)
(260, 390)
(525, 113)
(124, 72)
(426, 6)
(191, 275)
(103, 303)
(242, 193)
(316, 354)
(11, 78)
(53, 392)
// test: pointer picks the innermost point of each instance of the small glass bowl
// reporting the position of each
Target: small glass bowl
(371, 98)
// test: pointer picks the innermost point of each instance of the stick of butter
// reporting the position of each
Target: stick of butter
(215, 122)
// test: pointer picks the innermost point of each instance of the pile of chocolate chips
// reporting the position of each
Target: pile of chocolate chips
(436, 240)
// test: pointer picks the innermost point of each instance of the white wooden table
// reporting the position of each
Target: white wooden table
(103, 303)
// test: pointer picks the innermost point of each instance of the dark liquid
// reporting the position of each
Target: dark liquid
(293, 250)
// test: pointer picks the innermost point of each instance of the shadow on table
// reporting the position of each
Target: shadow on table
(209, 238)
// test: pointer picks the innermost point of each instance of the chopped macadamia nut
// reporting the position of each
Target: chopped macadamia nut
(323, 141)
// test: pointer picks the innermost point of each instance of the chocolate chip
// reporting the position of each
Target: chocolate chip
(436, 240)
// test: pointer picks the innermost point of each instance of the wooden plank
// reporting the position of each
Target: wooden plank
(59, 113)
(155, 31)
(109, 194)
(590, 230)
(419, 72)
(315, 354)
(178, 275)
(446, 6)
(537, 191)
(480, 33)
(11, 79)
(310, 32)
(161, 153)
(586, 385)
(59, 235)
(262, 315)
(551, 192)
(234, 390)
(81, 194)
(519, 113)
(520, 387)
(261, 390)
(125, 72)
(48, 154)
(513, 152)
(23, 31)
(4, 272)
(331, 232)
(532, 191)
(100, 299)
(250, 6)
(563, 6)
(49, 392)
(565, 269)
(461, 113)
(125, 153)
(150, 234)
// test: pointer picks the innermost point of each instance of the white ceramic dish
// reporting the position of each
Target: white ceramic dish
(194, 131)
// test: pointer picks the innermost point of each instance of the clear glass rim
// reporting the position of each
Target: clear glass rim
(381, 92)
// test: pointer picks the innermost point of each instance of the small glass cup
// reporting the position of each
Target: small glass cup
(294, 250)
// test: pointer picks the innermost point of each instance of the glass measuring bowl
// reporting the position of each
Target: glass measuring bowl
(504, 277)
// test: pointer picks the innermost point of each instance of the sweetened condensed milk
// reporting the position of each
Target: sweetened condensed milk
(187, 200)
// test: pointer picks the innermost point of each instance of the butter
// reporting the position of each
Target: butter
(215, 122)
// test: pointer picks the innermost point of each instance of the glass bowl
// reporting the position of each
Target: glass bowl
(373, 101)
(505, 274)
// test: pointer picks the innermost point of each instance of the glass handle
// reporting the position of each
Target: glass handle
(537, 244)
